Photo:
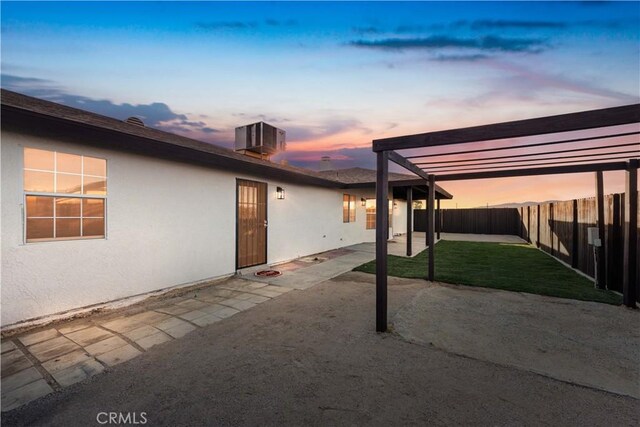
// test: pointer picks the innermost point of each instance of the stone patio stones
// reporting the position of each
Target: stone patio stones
(266, 293)
(7, 346)
(151, 340)
(191, 315)
(105, 346)
(175, 327)
(255, 285)
(37, 337)
(53, 348)
(141, 332)
(192, 304)
(238, 304)
(279, 289)
(206, 320)
(122, 324)
(72, 327)
(211, 299)
(223, 292)
(150, 317)
(181, 330)
(88, 336)
(224, 312)
(25, 394)
(14, 361)
(66, 361)
(77, 373)
(175, 310)
(119, 355)
(20, 379)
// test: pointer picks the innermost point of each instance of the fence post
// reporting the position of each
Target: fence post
(630, 279)
(551, 228)
(615, 267)
(538, 228)
(529, 223)
(601, 260)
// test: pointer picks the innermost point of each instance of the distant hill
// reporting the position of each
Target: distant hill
(517, 205)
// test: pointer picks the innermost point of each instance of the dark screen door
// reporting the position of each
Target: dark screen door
(251, 246)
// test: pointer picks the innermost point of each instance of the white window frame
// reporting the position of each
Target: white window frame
(55, 195)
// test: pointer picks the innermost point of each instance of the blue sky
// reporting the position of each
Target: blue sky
(334, 75)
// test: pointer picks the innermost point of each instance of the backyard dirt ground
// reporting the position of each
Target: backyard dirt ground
(312, 358)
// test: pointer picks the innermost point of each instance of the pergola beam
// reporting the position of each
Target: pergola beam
(401, 161)
(552, 170)
(592, 119)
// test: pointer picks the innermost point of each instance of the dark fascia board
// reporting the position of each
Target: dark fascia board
(44, 125)
(555, 170)
(583, 120)
(440, 193)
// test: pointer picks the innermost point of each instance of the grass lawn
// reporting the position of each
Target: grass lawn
(512, 267)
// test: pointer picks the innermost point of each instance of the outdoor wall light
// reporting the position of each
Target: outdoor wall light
(280, 193)
(363, 202)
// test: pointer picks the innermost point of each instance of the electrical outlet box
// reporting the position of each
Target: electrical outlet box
(593, 236)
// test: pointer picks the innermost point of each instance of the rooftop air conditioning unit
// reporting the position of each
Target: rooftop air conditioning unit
(260, 139)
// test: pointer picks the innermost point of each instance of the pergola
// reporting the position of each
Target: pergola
(606, 148)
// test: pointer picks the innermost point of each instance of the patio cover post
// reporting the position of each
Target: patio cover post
(382, 228)
(601, 278)
(630, 259)
(431, 226)
(409, 219)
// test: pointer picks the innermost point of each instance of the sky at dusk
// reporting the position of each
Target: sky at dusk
(335, 76)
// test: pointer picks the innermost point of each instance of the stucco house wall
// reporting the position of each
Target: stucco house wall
(168, 223)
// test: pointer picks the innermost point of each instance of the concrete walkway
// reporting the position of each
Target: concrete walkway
(64, 353)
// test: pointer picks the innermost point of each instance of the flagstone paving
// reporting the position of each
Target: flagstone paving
(38, 363)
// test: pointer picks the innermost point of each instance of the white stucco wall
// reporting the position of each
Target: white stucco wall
(168, 223)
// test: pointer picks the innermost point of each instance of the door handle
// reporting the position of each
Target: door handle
(266, 223)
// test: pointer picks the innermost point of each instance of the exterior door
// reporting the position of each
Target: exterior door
(251, 223)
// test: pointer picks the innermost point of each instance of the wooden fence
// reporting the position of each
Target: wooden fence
(476, 221)
(559, 228)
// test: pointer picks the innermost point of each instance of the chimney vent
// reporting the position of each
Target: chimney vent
(325, 163)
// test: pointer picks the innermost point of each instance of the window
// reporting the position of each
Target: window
(348, 208)
(65, 196)
(371, 213)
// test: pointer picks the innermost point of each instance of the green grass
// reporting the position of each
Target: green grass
(512, 267)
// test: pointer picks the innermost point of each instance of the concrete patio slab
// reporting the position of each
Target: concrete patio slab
(141, 332)
(53, 348)
(105, 346)
(192, 304)
(206, 320)
(119, 355)
(7, 346)
(181, 330)
(174, 310)
(153, 340)
(20, 379)
(37, 337)
(14, 361)
(25, 394)
(73, 326)
(122, 324)
(150, 317)
(191, 315)
(90, 335)
(238, 304)
(70, 359)
(587, 343)
(77, 373)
